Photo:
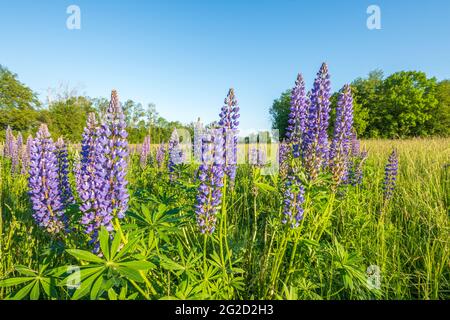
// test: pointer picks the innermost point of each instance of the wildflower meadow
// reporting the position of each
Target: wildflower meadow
(317, 214)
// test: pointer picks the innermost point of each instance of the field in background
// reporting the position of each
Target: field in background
(408, 241)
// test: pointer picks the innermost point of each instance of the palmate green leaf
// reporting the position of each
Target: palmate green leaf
(48, 287)
(85, 255)
(84, 273)
(104, 242)
(138, 265)
(112, 295)
(85, 286)
(15, 281)
(35, 292)
(115, 246)
(169, 264)
(96, 287)
(126, 248)
(22, 293)
(130, 273)
(25, 271)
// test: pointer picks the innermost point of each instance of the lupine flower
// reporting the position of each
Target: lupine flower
(106, 170)
(297, 116)
(198, 132)
(283, 159)
(145, 152)
(229, 122)
(257, 157)
(315, 142)
(44, 184)
(211, 173)
(175, 152)
(340, 146)
(16, 153)
(293, 202)
(77, 171)
(26, 151)
(160, 155)
(63, 173)
(8, 148)
(356, 161)
(253, 155)
(85, 169)
(390, 175)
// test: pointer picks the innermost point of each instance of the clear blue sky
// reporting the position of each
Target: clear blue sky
(184, 55)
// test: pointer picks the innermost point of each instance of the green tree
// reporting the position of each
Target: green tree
(67, 117)
(405, 105)
(441, 123)
(279, 112)
(18, 103)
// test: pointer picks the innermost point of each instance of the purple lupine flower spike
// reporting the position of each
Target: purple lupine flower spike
(293, 202)
(340, 145)
(63, 173)
(87, 184)
(283, 159)
(105, 175)
(26, 151)
(160, 155)
(297, 116)
(17, 153)
(315, 142)
(43, 183)
(210, 174)
(175, 153)
(116, 166)
(198, 132)
(356, 162)
(8, 148)
(145, 152)
(229, 122)
(390, 175)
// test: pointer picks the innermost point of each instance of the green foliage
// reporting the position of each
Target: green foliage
(405, 104)
(18, 103)
(157, 251)
(279, 112)
(67, 118)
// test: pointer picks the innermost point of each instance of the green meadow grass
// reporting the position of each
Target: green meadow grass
(251, 255)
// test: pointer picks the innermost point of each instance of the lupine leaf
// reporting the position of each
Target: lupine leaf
(85, 255)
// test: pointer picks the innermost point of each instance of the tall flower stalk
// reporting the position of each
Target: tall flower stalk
(198, 137)
(211, 173)
(145, 152)
(315, 142)
(160, 155)
(26, 151)
(8, 148)
(293, 202)
(229, 122)
(175, 153)
(104, 168)
(43, 181)
(356, 161)
(340, 145)
(63, 173)
(17, 151)
(297, 116)
(390, 176)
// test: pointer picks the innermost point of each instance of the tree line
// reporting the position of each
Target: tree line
(66, 114)
(404, 104)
